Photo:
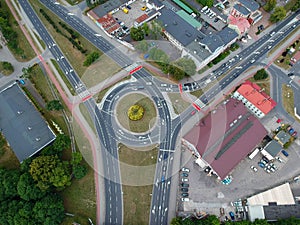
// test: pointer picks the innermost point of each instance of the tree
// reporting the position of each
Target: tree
(79, 171)
(260, 222)
(54, 105)
(50, 171)
(27, 188)
(142, 46)
(49, 210)
(76, 158)
(260, 75)
(146, 29)
(176, 72)
(176, 221)
(8, 183)
(278, 14)
(92, 57)
(270, 5)
(188, 66)
(137, 34)
(62, 142)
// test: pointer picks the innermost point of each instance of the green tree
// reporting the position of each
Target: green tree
(8, 183)
(8, 67)
(278, 14)
(137, 34)
(92, 57)
(188, 66)
(146, 29)
(79, 171)
(76, 158)
(270, 5)
(27, 188)
(260, 222)
(289, 221)
(176, 72)
(50, 171)
(49, 210)
(176, 221)
(54, 105)
(260, 75)
(62, 142)
(159, 56)
(142, 46)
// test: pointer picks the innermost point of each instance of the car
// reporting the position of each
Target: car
(163, 178)
(216, 19)
(294, 134)
(185, 199)
(279, 159)
(193, 112)
(204, 9)
(184, 185)
(291, 74)
(291, 131)
(269, 47)
(262, 165)
(163, 85)
(254, 168)
(284, 153)
(185, 194)
(184, 179)
(185, 169)
(272, 33)
(265, 159)
(184, 190)
(166, 155)
(128, 7)
(22, 82)
(252, 61)
(184, 174)
(231, 214)
(144, 8)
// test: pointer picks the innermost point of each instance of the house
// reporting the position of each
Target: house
(255, 99)
(21, 124)
(247, 9)
(224, 137)
(273, 148)
(109, 24)
(282, 137)
(240, 24)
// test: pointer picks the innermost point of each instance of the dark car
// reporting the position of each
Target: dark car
(285, 153)
(128, 7)
(231, 214)
(261, 164)
(184, 190)
(184, 185)
(265, 158)
(163, 178)
(185, 194)
(166, 155)
(184, 174)
(291, 131)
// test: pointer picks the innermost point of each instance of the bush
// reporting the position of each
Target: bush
(79, 171)
(92, 57)
(261, 75)
(135, 112)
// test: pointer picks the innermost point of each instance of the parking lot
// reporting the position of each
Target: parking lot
(207, 194)
(134, 12)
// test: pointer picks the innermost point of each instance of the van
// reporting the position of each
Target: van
(125, 10)
(203, 9)
(140, 87)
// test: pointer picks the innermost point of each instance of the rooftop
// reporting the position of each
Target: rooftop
(240, 8)
(142, 18)
(226, 136)
(198, 50)
(183, 6)
(251, 5)
(21, 124)
(276, 212)
(107, 7)
(188, 18)
(253, 93)
(172, 23)
(213, 42)
(242, 24)
(283, 137)
(282, 195)
(227, 35)
(273, 148)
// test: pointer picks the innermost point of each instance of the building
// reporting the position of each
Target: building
(247, 9)
(255, 99)
(224, 137)
(282, 137)
(239, 24)
(276, 203)
(272, 148)
(22, 125)
(109, 24)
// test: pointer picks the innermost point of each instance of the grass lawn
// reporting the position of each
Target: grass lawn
(289, 5)
(288, 99)
(137, 199)
(102, 69)
(203, 69)
(40, 40)
(178, 103)
(5, 72)
(149, 114)
(75, 57)
(87, 116)
(8, 158)
(265, 84)
(80, 200)
(197, 93)
(26, 52)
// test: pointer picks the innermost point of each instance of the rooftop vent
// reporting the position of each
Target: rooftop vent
(175, 22)
(37, 138)
(20, 112)
(29, 128)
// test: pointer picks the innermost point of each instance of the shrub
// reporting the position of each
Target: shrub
(135, 112)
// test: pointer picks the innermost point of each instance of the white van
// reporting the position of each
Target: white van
(203, 9)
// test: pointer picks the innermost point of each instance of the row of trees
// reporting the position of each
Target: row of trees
(183, 67)
(278, 14)
(8, 33)
(213, 220)
(30, 195)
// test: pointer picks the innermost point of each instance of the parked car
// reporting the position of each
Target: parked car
(231, 214)
(294, 134)
(184, 174)
(128, 7)
(185, 199)
(265, 159)
(184, 179)
(184, 185)
(184, 190)
(185, 169)
(254, 168)
(284, 153)
(185, 194)
(261, 164)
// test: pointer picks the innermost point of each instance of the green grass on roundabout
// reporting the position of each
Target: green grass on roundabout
(148, 119)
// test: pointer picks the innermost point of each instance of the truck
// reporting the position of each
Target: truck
(254, 153)
(125, 10)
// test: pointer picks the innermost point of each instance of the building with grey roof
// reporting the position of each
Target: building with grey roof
(273, 148)
(251, 5)
(282, 137)
(242, 10)
(22, 125)
(108, 7)
(228, 36)
(274, 212)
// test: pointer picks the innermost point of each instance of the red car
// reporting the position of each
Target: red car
(193, 112)
(294, 134)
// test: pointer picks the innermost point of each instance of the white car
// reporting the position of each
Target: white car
(185, 169)
(185, 199)
(184, 179)
(254, 168)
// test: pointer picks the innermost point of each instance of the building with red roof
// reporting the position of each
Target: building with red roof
(109, 24)
(255, 99)
(239, 24)
(225, 137)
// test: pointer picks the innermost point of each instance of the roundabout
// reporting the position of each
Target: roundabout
(136, 112)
